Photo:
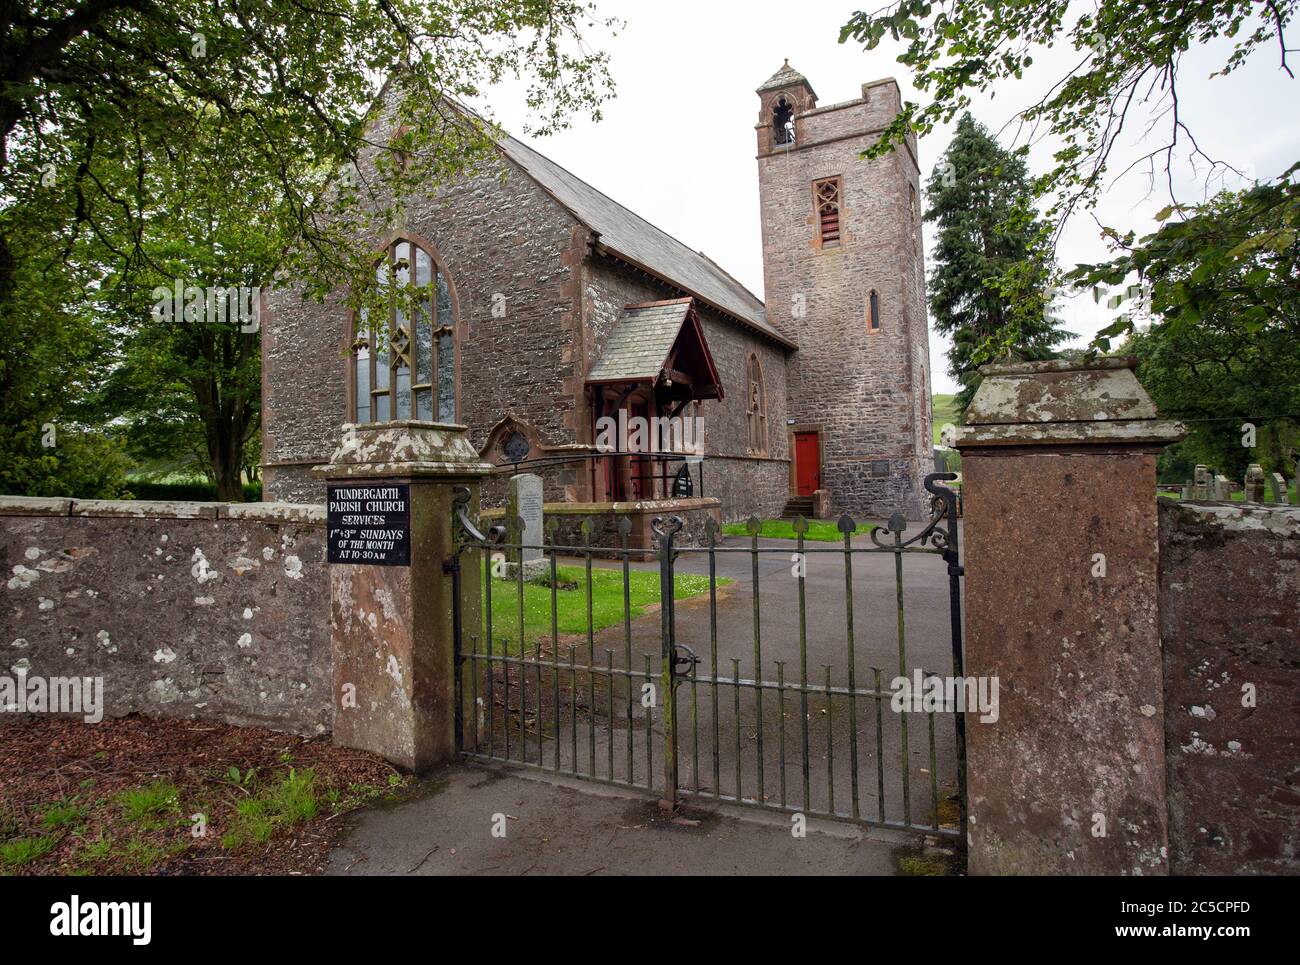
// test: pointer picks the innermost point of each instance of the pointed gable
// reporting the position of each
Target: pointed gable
(655, 339)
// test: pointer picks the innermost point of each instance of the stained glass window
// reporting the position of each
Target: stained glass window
(406, 368)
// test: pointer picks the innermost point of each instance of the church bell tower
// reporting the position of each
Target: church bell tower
(844, 278)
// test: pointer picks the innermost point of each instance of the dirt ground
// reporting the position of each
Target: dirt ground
(125, 797)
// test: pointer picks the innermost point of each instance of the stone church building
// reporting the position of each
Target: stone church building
(553, 307)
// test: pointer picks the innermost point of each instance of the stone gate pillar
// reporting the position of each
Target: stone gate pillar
(390, 619)
(1058, 462)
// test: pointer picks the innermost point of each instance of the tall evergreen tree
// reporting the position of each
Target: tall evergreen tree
(990, 286)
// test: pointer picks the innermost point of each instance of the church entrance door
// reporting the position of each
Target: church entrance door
(807, 463)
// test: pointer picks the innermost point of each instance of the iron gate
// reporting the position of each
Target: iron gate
(539, 685)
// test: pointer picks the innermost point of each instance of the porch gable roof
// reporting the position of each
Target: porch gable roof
(641, 344)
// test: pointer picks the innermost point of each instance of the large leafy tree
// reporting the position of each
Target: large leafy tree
(1124, 80)
(981, 201)
(1221, 287)
(145, 142)
(1127, 69)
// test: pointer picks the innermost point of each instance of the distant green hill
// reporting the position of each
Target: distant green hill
(943, 413)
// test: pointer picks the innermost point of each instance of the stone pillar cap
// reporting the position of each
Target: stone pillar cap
(1064, 402)
(388, 449)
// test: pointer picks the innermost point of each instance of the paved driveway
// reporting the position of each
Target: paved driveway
(564, 827)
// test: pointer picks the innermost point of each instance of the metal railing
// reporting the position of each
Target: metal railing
(562, 705)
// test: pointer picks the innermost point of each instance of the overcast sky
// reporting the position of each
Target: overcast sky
(677, 143)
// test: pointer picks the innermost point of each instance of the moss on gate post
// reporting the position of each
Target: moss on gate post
(1058, 460)
(392, 644)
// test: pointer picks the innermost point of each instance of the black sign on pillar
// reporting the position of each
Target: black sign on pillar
(369, 523)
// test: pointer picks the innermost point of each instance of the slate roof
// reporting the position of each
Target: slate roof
(639, 345)
(631, 237)
(785, 77)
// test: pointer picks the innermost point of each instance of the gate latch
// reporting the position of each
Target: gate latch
(683, 657)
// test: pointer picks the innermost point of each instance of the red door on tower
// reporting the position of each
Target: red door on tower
(807, 463)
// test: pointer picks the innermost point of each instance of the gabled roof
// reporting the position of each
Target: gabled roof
(638, 348)
(633, 239)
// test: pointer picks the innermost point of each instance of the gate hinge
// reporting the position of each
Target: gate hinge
(451, 564)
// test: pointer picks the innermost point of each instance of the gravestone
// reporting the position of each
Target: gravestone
(1187, 490)
(1222, 488)
(524, 522)
(1254, 490)
(1201, 488)
(1277, 487)
(940, 459)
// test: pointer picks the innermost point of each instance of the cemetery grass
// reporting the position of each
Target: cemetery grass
(943, 412)
(607, 608)
(819, 531)
(122, 796)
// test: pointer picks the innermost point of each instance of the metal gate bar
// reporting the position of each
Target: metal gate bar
(837, 705)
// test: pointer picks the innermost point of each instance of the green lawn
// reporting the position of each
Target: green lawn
(942, 408)
(571, 601)
(819, 531)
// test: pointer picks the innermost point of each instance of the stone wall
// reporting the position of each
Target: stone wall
(1230, 628)
(197, 610)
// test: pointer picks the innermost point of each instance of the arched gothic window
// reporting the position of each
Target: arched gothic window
(406, 367)
(757, 406)
(827, 197)
(782, 121)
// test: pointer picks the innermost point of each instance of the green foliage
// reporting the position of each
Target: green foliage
(294, 799)
(186, 491)
(992, 268)
(239, 778)
(66, 813)
(145, 144)
(1234, 260)
(1217, 378)
(23, 851)
(1123, 53)
(98, 849)
(919, 863)
(49, 351)
(149, 806)
(141, 855)
(1223, 345)
(1236, 254)
(571, 601)
(819, 531)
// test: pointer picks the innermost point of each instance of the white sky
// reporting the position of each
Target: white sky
(677, 143)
